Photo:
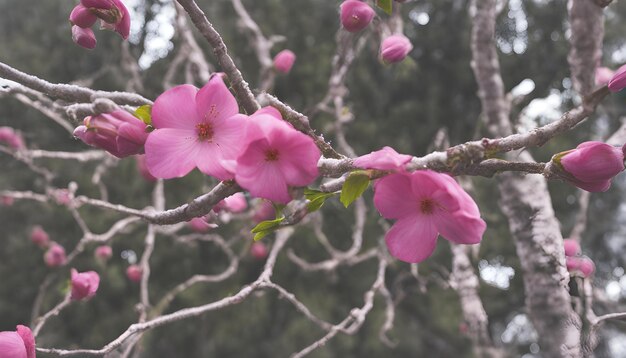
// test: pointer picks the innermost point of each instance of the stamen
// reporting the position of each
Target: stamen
(205, 131)
(271, 155)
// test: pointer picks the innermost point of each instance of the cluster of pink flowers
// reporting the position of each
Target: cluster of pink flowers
(119, 133)
(203, 129)
(356, 15)
(592, 165)
(17, 344)
(577, 264)
(112, 13)
(11, 138)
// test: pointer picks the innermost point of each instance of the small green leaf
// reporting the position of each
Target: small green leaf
(355, 185)
(385, 5)
(144, 113)
(316, 199)
(266, 227)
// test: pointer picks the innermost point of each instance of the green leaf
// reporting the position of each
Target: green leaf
(385, 5)
(355, 185)
(316, 199)
(144, 113)
(266, 227)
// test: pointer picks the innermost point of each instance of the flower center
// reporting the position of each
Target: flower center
(427, 206)
(205, 131)
(271, 155)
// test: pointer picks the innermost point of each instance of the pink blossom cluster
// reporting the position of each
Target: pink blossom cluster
(575, 262)
(113, 15)
(356, 15)
(202, 128)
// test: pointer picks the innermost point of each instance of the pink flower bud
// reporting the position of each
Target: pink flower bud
(6, 200)
(119, 133)
(103, 253)
(11, 138)
(84, 37)
(603, 75)
(592, 165)
(39, 237)
(356, 15)
(572, 263)
(235, 203)
(587, 267)
(113, 13)
(134, 273)
(618, 81)
(572, 247)
(395, 48)
(258, 250)
(143, 168)
(18, 344)
(84, 285)
(55, 256)
(82, 17)
(284, 60)
(200, 225)
(62, 196)
(384, 159)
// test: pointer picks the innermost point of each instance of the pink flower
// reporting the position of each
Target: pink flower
(62, 196)
(258, 250)
(425, 204)
(587, 267)
(84, 285)
(55, 256)
(39, 237)
(395, 48)
(200, 225)
(618, 81)
(134, 273)
(275, 157)
(112, 13)
(582, 266)
(195, 129)
(11, 138)
(119, 133)
(84, 37)
(356, 15)
(284, 60)
(384, 159)
(235, 203)
(18, 344)
(143, 168)
(103, 253)
(572, 247)
(263, 211)
(592, 165)
(6, 200)
(603, 75)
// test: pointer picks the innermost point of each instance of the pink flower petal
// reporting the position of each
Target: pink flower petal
(298, 156)
(208, 160)
(459, 227)
(82, 17)
(176, 108)
(215, 102)
(260, 178)
(29, 340)
(229, 135)
(384, 159)
(393, 197)
(435, 186)
(412, 239)
(171, 153)
(12, 345)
